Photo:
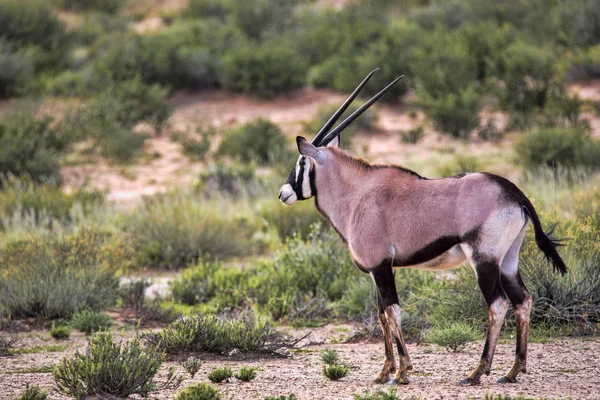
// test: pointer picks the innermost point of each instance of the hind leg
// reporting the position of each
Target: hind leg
(488, 277)
(521, 301)
(389, 365)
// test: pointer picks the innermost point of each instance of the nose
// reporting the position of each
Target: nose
(280, 190)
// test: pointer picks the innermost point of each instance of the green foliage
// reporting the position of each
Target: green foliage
(201, 391)
(291, 396)
(107, 6)
(91, 321)
(330, 356)
(413, 135)
(33, 393)
(133, 292)
(461, 164)
(6, 344)
(60, 332)
(58, 276)
(378, 395)
(109, 368)
(192, 365)
(247, 374)
(568, 147)
(16, 70)
(209, 333)
(335, 372)
(233, 180)
(263, 69)
(454, 336)
(219, 375)
(172, 230)
(489, 132)
(288, 221)
(30, 145)
(258, 141)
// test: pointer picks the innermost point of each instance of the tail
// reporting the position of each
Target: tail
(544, 240)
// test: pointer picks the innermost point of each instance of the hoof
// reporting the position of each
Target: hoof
(506, 379)
(379, 381)
(469, 382)
(398, 381)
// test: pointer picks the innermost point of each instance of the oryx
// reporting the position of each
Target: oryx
(392, 217)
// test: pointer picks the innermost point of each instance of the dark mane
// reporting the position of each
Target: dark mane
(362, 163)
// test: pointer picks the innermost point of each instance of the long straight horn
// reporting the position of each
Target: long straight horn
(341, 110)
(344, 124)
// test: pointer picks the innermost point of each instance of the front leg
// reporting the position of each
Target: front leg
(389, 365)
(386, 289)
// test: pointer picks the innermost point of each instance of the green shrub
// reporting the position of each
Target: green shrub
(133, 292)
(196, 285)
(413, 135)
(461, 164)
(234, 180)
(288, 221)
(6, 344)
(201, 391)
(56, 277)
(172, 230)
(263, 69)
(210, 333)
(30, 145)
(33, 393)
(258, 141)
(259, 19)
(219, 375)
(247, 374)
(291, 396)
(114, 369)
(335, 372)
(192, 365)
(60, 331)
(453, 337)
(378, 395)
(330, 356)
(16, 70)
(91, 322)
(201, 9)
(568, 147)
(490, 133)
(107, 6)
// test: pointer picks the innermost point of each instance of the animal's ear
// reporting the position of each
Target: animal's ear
(335, 142)
(306, 148)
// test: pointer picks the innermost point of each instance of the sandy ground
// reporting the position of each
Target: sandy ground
(564, 368)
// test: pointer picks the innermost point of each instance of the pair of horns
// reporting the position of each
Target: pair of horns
(323, 137)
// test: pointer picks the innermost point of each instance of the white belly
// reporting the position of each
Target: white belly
(450, 259)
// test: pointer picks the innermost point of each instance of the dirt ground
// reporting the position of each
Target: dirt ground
(563, 368)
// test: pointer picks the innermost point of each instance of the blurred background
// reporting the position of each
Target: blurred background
(148, 139)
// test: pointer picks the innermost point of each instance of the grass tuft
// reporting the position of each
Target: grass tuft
(219, 375)
(192, 365)
(91, 321)
(335, 372)
(454, 337)
(330, 356)
(60, 332)
(247, 374)
(33, 393)
(202, 391)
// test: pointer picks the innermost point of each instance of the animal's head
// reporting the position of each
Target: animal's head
(300, 185)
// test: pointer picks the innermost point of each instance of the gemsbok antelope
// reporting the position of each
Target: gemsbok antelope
(391, 217)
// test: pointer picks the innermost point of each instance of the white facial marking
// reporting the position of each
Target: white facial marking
(306, 192)
(287, 195)
(298, 167)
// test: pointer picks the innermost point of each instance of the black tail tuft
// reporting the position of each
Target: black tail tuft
(545, 241)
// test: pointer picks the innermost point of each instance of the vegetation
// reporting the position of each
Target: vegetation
(114, 369)
(335, 372)
(219, 375)
(6, 344)
(201, 391)
(453, 337)
(91, 321)
(192, 365)
(33, 393)
(60, 332)
(247, 374)
(378, 395)
(329, 356)
(291, 396)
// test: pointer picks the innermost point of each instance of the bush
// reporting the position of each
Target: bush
(568, 147)
(413, 135)
(258, 141)
(461, 164)
(192, 365)
(212, 334)
(114, 369)
(56, 277)
(107, 6)
(234, 180)
(59, 332)
(6, 344)
(16, 70)
(335, 372)
(172, 230)
(290, 221)
(91, 322)
(219, 375)
(263, 69)
(201, 391)
(33, 393)
(453, 337)
(247, 374)
(133, 292)
(30, 145)
(378, 395)
(329, 356)
(490, 133)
